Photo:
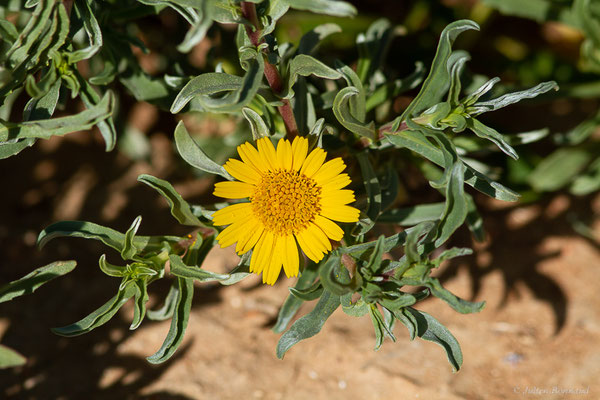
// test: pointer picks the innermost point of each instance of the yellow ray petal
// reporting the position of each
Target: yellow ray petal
(271, 274)
(313, 162)
(340, 181)
(299, 151)
(251, 157)
(320, 237)
(251, 227)
(232, 233)
(341, 213)
(330, 228)
(264, 251)
(233, 190)
(309, 246)
(242, 171)
(291, 259)
(267, 153)
(253, 238)
(329, 170)
(284, 154)
(337, 197)
(230, 214)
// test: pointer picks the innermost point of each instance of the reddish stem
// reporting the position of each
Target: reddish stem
(271, 72)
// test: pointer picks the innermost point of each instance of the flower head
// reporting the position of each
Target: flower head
(294, 197)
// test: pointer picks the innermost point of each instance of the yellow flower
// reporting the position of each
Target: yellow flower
(294, 199)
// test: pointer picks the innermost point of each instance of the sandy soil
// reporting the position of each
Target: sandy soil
(538, 336)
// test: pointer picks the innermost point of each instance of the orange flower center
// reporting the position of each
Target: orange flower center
(285, 201)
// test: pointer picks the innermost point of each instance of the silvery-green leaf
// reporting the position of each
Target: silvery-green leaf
(178, 322)
(44, 129)
(193, 154)
(32, 281)
(310, 324)
(180, 208)
(341, 110)
(257, 124)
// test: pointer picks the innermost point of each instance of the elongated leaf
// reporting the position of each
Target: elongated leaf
(381, 328)
(341, 110)
(456, 207)
(257, 124)
(90, 25)
(99, 317)
(305, 65)
(418, 143)
(438, 80)
(193, 154)
(240, 90)
(559, 168)
(178, 323)
(409, 216)
(180, 208)
(431, 329)
(310, 324)
(178, 268)
(168, 308)
(511, 98)
(10, 358)
(90, 98)
(328, 7)
(203, 85)
(108, 236)
(37, 24)
(292, 303)
(42, 108)
(47, 128)
(139, 302)
(309, 294)
(12, 147)
(129, 248)
(32, 281)
(484, 131)
(458, 304)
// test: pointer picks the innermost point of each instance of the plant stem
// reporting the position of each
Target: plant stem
(271, 72)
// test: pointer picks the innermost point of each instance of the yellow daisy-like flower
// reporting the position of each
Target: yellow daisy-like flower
(294, 199)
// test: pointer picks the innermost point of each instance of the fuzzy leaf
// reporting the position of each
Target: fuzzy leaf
(193, 154)
(99, 317)
(291, 305)
(32, 281)
(431, 329)
(178, 323)
(310, 324)
(180, 209)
